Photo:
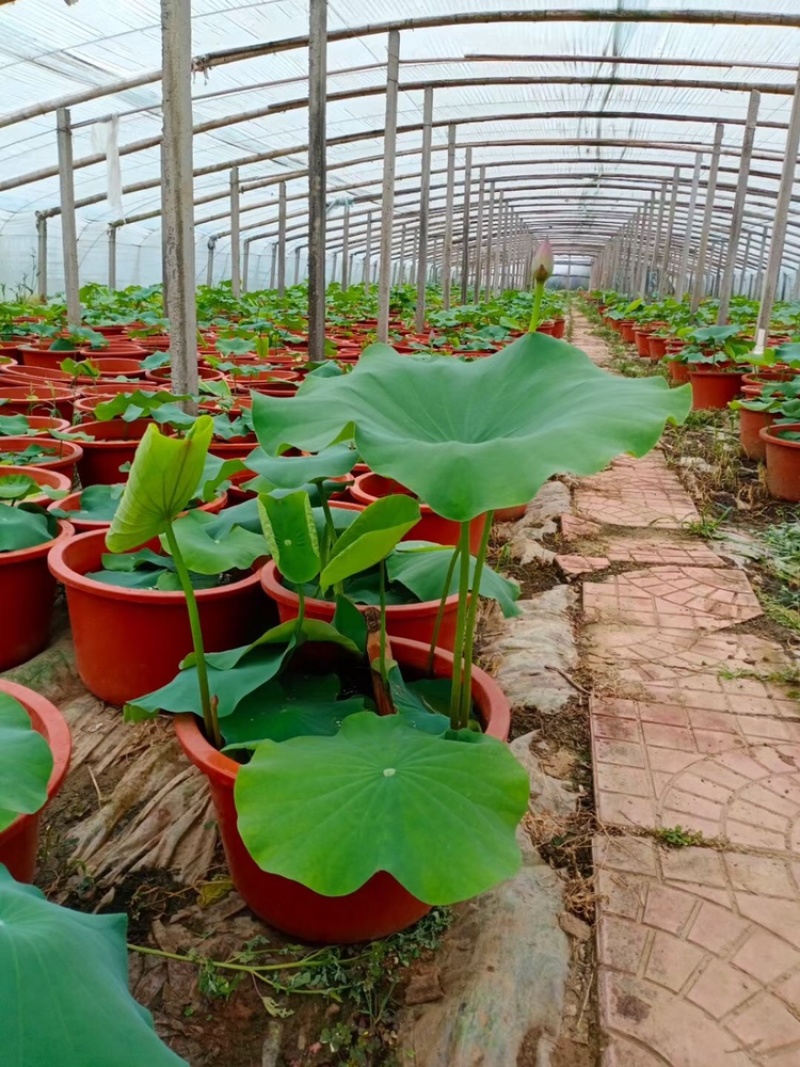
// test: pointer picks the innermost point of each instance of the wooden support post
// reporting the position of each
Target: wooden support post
(401, 273)
(758, 280)
(69, 228)
(346, 247)
(334, 268)
(424, 208)
(490, 242)
(745, 261)
(246, 266)
(663, 279)
(297, 265)
(177, 191)
(479, 234)
(735, 232)
(447, 255)
(273, 266)
(647, 236)
(211, 245)
(282, 239)
(698, 291)
(41, 256)
(387, 201)
(317, 165)
(236, 250)
(465, 224)
(782, 205)
(112, 258)
(368, 251)
(655, 259)
(683, 267)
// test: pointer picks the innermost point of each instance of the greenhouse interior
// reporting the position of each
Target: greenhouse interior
(415, 396)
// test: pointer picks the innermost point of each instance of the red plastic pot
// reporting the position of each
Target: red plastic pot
(641, 337)
(626, 329)
(548, 327)
(19, 842)
(61, 455)
(26, 592)
(73, 503)
(130, 641)
(40, 425)
(412, 621)
(656, 346)
(115, 443)
(39, 399)
(381, 906)
(751, 423)
(559, 326)
(163, 375)
(714, 388)
(783, 461)
(431, 527)
(678, 372)
(42, 476)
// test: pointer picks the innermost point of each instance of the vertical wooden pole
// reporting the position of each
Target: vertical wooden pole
(465, 225)
(758, 279)
(424, 209)
(655, 259)
(647, 236)
(735, 233)
(346, 247)
(297, 265)
(317, 165)
(447, 253)
(782, 205)
(698, 290)
(41, 256)
(69, 228)
(246, 266)
(282, 239)
(211, 245)
(273, 266)
(663, 277)
(112, 258)
(490, 241)
(177, 191)
(334, 268)
(683, 266)
(368, 251)
(479, 234)
(389, 167)
(236, 250)
(745, 261)
(401, 272)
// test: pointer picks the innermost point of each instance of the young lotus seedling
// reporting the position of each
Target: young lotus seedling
(542, 270)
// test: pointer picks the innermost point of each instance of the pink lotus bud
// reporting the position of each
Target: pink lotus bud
(543, 262)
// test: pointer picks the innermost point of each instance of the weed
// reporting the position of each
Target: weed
(780, 676)
(707, 525)
(780, 613)
(677, 837)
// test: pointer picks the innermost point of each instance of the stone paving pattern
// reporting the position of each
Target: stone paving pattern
(698, 947)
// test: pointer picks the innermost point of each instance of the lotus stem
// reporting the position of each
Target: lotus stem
(209, 714)
(382, 595)
(536, 315)
(437, 626)
(461, 621)
(472, 615)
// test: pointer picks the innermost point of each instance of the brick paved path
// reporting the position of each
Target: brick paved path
(698, 947)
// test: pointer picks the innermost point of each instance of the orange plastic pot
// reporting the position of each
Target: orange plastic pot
(548, 327)
(656, 347)
(413, 621)
(678, 372)
(61, 455)
(42, 476)
(19, 842)
(751, 423)
(115, 443)
(714, 388)
(27, 590)
(431, 527)
(38, 399)
(73, 503)
(559, 326)
(40, 425)
(641, 337)
(783, 461)
(626, 329)
(381, 906)
(130, 641)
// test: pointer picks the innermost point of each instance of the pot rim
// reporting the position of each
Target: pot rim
(223, 769)
(364, 497)
(59, 740)
(768, 434)
(272, 584)
(66, 531)
(73, 579)
(93, 525)
(69, 452)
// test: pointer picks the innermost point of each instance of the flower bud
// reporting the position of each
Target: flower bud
(543, 262)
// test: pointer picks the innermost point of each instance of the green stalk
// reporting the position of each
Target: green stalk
(209, 713)
(382, 596)
(461, 619)
(536, 315)
(472, 614)
(442, 604)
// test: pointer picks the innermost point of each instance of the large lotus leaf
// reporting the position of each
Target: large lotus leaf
(205, 554)
(470, 437)
(26, 763)
(292, 472)
(163, 479)
(64, 988)
(14, 426)
(17, 487)
(20, 528)
(422, 568)
(370, 538)
(436, 812)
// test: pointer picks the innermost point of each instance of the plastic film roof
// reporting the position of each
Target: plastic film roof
(558, 111)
